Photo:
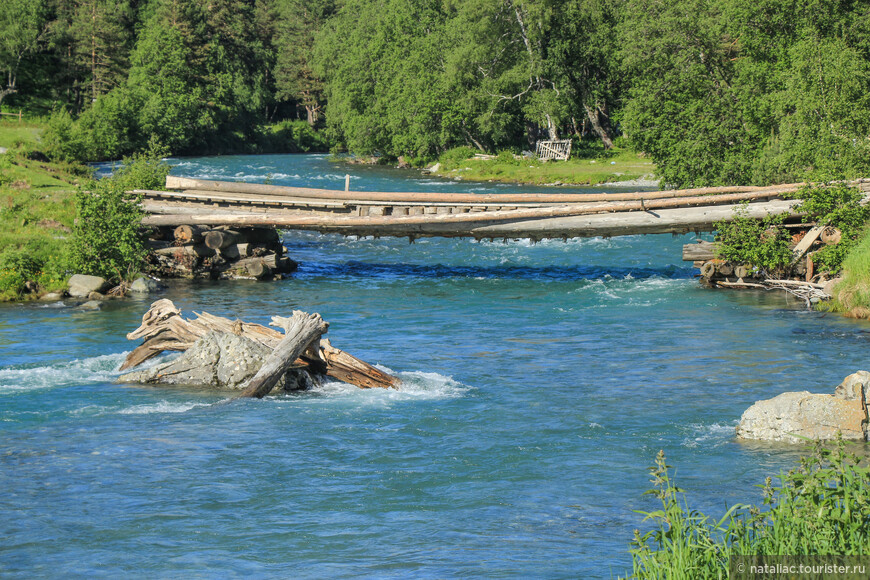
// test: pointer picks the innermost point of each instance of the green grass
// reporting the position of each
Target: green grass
(818, 508)
(37, 212)
(593, 167)
(14, 134)
(852, 295)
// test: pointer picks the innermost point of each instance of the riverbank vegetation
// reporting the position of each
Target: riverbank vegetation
(818, 508)
(56, 219)
(594, 165)
(735, 92)
(767, 244)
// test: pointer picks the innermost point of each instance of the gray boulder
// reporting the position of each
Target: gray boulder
(51, 297)
(80, 285)
(144, 285)
(797, 416)
(219, 360)
(91, 305)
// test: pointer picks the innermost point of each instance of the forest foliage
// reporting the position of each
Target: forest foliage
(716, 92)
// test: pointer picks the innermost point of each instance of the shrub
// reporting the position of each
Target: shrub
(838, 206)
(761, 243)
(818, 508)
(852, 295)
(17, 267)
(765, 244)
(107, 239)
(60, 140)
(454, 157)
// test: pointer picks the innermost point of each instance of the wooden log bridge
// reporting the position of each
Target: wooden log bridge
(195, 202)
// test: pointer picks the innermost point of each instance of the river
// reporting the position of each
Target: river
(540, 382)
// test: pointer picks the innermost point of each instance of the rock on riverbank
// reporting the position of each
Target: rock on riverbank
(797, 416)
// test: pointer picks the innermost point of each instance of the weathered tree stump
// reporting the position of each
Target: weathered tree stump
(164, 329)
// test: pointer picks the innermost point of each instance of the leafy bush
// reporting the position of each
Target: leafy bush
(454, 157)
(852, 295)
(838, 206)
(17, 267)
(761, 243)
(506, 157)
(817, 508)
(107, 239)
(765, 244)
(60, 140)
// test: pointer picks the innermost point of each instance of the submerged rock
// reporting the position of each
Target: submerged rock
(220, 360)
(144, 285)
(797, 416)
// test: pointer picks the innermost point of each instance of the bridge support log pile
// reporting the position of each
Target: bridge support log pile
(196, 251)
(300, 348)
(807, 239)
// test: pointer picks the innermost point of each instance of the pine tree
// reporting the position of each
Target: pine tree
(299, 21)
(101, 32)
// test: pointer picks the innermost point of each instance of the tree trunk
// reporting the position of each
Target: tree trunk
(300, 331)
(551, 129)
(10, 90)
(313, 114)
(600, 124)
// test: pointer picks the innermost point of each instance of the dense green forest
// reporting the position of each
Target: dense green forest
(715, 91)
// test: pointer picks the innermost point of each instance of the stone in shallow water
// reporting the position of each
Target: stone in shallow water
(144, 285)
(797, 416)
(220, 360)
(80, 285)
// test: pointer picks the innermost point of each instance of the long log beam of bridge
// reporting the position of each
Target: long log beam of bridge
(415, 215)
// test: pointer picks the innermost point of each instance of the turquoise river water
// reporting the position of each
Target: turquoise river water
(540, 381)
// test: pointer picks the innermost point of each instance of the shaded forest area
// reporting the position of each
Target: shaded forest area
(715, 91)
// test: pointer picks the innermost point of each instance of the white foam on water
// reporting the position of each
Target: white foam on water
(416, 386)
(712, 435)
(97, 369)
(161, 407)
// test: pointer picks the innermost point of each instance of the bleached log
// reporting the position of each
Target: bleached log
(163, 329)
(300, 330)
(194, 250)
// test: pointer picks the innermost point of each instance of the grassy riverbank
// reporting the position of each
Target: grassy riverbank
(592, 166)
(852, 295)
(37, 212)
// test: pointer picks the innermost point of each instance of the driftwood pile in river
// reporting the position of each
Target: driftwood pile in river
(300, 349)
(200, 252)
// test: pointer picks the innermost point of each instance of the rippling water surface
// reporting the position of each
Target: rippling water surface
(540, 381)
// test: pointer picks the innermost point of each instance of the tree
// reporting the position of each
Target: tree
(22, 28)
(748, 91)
(299, 21)
(386, 87)
(101, 35)
(582, 49)
(501, 48)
